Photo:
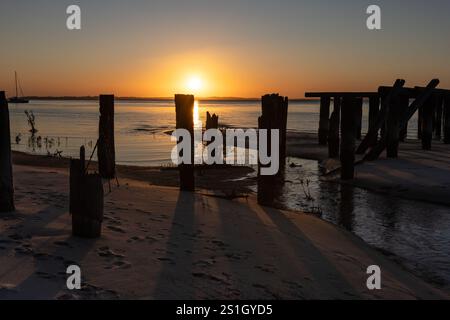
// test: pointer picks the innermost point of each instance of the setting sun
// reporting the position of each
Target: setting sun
(194, 84)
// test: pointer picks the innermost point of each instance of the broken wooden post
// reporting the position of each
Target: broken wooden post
(437, 123)
(397, 111)
(212, 122)
(274, 116)
(374, 109)
(419, 122)
(348, 135)
(106, 151)
(359, 113)
(324, 119)
(427, 122)
(333, 136)
(6, 175)
(447, 119)
(184, 109)
(86, 199)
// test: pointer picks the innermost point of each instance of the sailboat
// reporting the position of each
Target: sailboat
(18, 99)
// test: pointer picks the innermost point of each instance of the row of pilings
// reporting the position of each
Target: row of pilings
(390, 110)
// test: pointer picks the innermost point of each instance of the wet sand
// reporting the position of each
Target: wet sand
(160, 243)
(416, 174)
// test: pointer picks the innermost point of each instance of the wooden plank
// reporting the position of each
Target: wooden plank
(341, 94)
(6, 174)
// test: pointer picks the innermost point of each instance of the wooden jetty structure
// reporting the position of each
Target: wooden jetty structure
(390, 110)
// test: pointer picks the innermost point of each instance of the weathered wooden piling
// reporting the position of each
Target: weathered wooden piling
(333, 136)
(106, 151)
(86, 199)
(397, 112)
(184, 108)
(446, 119)
(427, 122)
(374, 110)
(274, 116)
(6, 175)
(359, 114)
(349, 109)
(437, 118)
(419, 122)
(421, 98)
(379, 123)
(212, 121)
(324, 119)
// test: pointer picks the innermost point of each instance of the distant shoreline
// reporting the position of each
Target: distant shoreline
(164, 99)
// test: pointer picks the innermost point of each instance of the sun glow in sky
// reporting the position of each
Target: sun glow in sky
(214, 48)
(194, 84)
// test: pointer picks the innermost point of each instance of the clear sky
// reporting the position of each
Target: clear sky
(233, 48)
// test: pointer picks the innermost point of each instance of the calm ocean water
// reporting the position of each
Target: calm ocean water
(418, 233)
(140, 126)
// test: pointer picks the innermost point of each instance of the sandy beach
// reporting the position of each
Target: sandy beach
(159, 243)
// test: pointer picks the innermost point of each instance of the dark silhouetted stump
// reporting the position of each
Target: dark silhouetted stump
(184, 108)
(374, 110)
(359, 113)
(274, 116)
(6, 175)
(86, 200)
(324, 119)
(333, 136)
(106, 151)
(427, 122)
(212, 122)
(447, 119)
(397, 112)
(349, 114)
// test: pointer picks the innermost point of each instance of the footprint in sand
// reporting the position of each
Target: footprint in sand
(268, 268)
(136, 239)
(116, 229)
(108, 253)
(62, 244)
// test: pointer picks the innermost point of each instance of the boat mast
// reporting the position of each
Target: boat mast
(15, 76)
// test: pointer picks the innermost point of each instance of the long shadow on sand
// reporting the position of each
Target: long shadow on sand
(47, 276)
(178, 259)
